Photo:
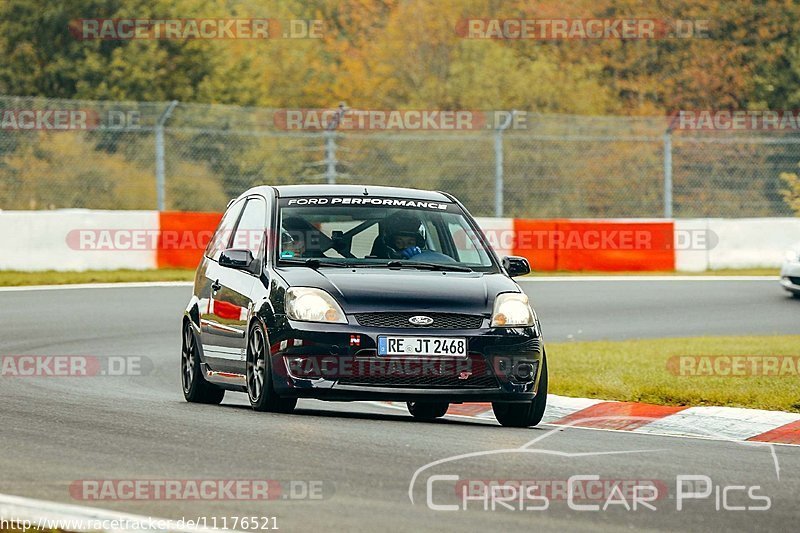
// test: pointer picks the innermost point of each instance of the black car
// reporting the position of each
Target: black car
(343, 292)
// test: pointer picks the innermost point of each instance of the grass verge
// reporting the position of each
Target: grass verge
(649, 371)
(11, 278)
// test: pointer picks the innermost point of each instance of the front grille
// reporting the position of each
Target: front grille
(471, 373)
(794, 280)
(400, 320)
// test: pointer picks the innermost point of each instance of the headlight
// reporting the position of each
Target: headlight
(511, 310)
(313, 305)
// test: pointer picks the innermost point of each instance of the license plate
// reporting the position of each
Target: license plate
(441, 346)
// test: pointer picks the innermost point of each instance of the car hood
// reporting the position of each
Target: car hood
(375, 290)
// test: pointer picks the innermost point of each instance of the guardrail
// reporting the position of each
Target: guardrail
(77, 240)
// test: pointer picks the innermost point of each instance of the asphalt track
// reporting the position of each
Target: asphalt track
(59, 430)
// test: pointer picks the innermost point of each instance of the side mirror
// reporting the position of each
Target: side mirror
(516, 266)
(236, 258)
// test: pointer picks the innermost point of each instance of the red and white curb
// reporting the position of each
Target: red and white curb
(728, 423)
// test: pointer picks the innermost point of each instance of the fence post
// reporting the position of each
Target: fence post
(498, 164)
(160, 179)
(330, 156)
(668, 174)
(330, 145)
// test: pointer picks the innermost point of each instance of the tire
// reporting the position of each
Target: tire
(259, 376)
(427, 410)
(522, 415)
(195, 388)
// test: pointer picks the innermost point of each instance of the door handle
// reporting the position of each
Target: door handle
(216, 286)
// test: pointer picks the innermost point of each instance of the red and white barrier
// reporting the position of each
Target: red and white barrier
(106, 240)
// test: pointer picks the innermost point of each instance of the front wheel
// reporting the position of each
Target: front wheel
(427, 410)
(259, 376)
(521, 415)
(195, 388)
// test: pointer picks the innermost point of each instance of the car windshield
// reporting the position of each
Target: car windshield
(374, 232)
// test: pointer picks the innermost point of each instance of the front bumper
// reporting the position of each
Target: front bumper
(790, 276)
(340, 362)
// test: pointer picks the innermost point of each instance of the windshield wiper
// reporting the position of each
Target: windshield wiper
(419, 265)
(315, 263)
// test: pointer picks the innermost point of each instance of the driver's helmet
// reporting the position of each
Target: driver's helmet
(403, 230)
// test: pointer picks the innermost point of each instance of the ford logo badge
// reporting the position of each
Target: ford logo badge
(420, 320)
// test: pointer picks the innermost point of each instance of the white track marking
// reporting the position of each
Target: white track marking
(121, 285)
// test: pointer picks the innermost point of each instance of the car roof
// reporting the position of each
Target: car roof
(295, 191)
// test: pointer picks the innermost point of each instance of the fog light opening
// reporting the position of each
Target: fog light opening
(525, 370)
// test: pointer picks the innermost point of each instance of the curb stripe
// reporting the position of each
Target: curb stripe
(618, 409)
(788, 434)
(714, 423)
(734, 423)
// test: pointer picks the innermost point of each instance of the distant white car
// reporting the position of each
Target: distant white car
(790, 271)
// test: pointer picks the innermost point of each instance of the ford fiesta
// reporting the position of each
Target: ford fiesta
(361, 293)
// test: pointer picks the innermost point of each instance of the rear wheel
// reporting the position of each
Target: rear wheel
(427, 410)
(259, 376)
(195, 388)
(521, 415)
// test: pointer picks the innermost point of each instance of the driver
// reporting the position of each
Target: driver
(404, 238)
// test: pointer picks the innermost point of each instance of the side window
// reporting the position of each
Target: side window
(223, 234)
(249, 232)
